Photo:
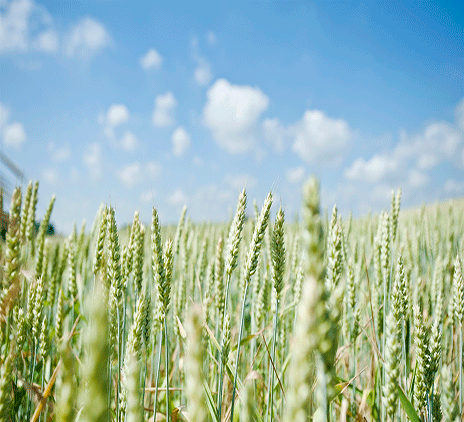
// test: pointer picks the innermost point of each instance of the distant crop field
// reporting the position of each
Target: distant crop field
(255, 319)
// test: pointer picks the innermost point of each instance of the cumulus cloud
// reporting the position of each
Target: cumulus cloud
(47, 41)
(439, 142)
(295, 175)
(129, 141)
(320, 138)
(25, 25)
(151, 60)
(59, 154)
(178, 197)
(14, 135)
(86, 39)
(232, 113)
(164, 110)
(180, 141)
(93, 160)
(373, 170)
(116, 115)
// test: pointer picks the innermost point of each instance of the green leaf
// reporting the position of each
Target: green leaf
(407, 406)
(210, 402)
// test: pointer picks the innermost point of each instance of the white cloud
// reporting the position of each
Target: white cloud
(178, 197)
(129, 141)
(417, 179)
(439, 142)
(295, 175)
(373, 170)
(180, 141)
(131, 175)
(59, 154)
(14, 135)
(151, 60)
(319, 138)
(164, 110)
(275, 133)
(93, 160)
(4, 115)
(117, 114)
(211, 38)
(203, 73)
(47, 41)
(50, 176)
(152, 170)
(231, 114)
(454, 187)
(18, 21)
(238, 181)
(87, 38)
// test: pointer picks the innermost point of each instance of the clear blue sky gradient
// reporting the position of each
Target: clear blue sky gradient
(389, 74)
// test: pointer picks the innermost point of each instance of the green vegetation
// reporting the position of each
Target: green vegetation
(253, 320)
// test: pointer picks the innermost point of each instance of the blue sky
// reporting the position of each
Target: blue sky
(143, 104)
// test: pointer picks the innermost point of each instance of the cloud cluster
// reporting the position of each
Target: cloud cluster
(118, 115)
(27, 26)
(408, 164)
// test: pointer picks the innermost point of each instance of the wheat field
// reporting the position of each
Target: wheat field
(255, 319)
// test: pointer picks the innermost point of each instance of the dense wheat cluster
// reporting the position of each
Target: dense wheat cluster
(257, 319)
